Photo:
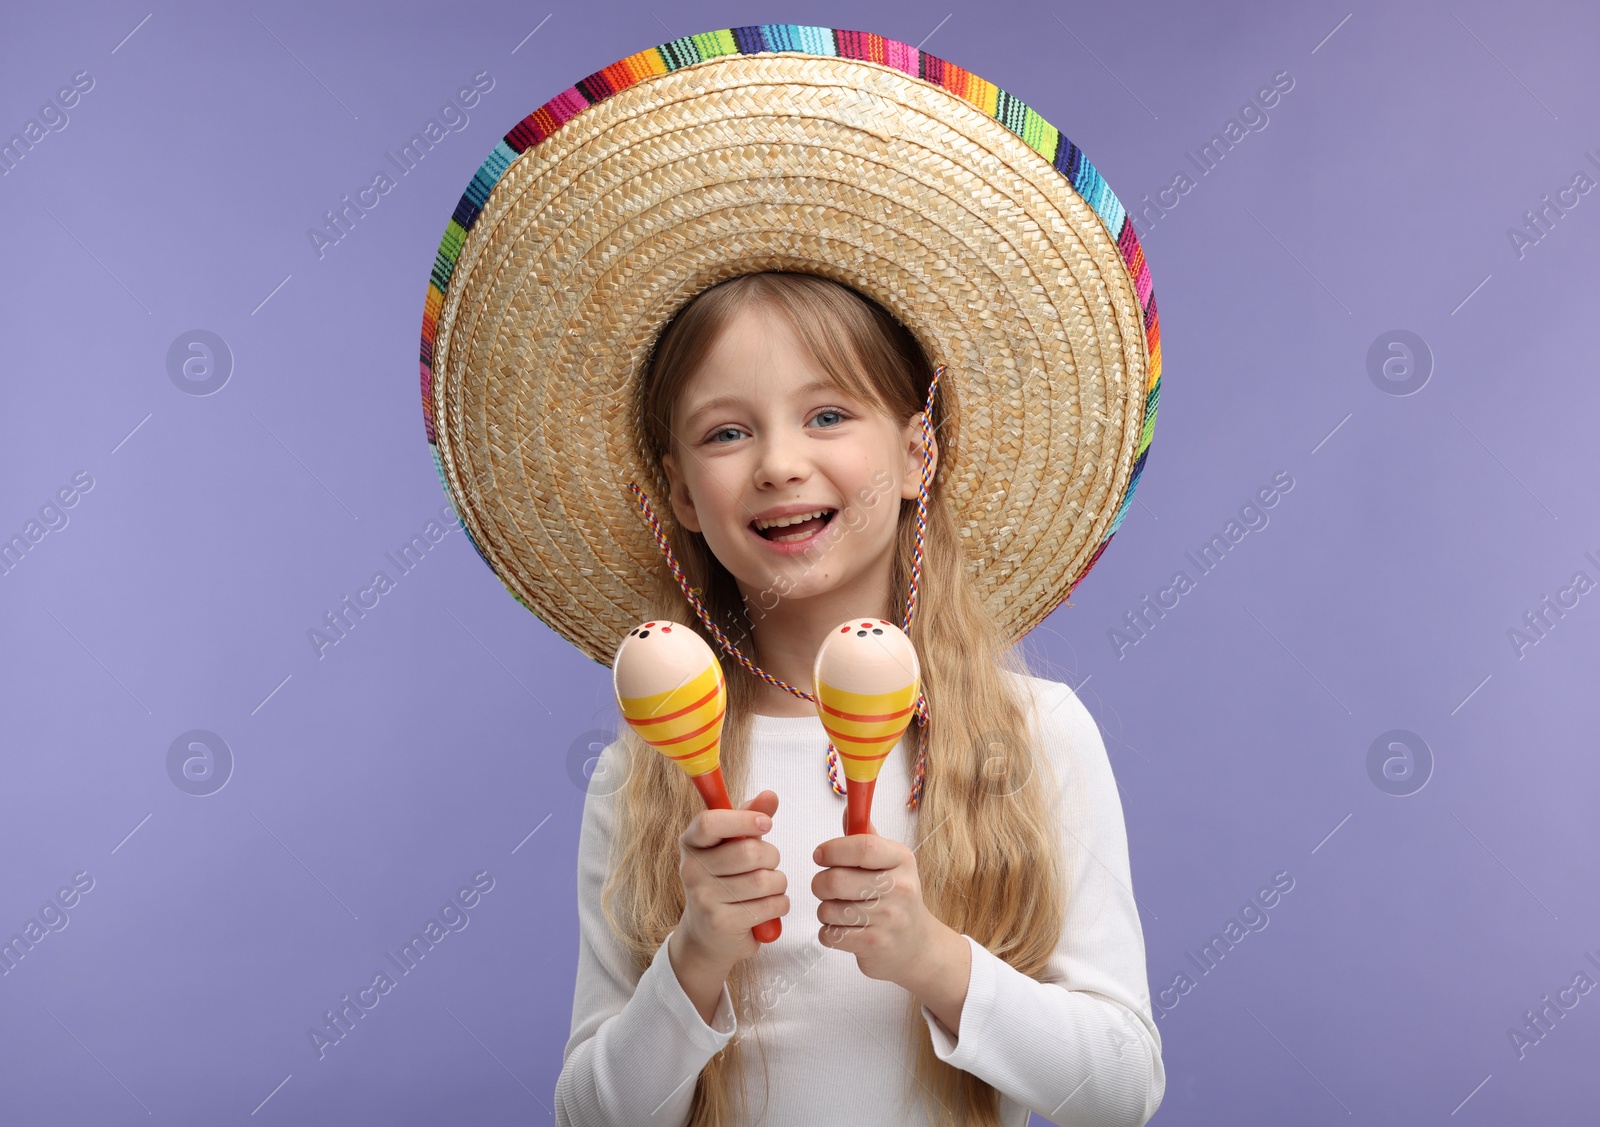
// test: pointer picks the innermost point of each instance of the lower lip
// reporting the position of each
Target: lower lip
(793, 547)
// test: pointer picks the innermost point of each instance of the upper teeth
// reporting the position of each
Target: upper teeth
(779, 522)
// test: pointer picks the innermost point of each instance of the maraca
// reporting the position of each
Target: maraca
(867, 677)
(670, 689)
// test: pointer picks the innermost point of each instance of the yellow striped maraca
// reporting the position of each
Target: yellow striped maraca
(867, 677)
(670, 688)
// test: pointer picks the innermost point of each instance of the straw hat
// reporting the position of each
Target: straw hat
(778, 147)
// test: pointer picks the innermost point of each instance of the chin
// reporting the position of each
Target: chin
(796, 584)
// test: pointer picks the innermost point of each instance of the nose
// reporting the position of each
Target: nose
(781, 460)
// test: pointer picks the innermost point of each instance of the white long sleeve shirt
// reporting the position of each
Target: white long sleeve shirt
(1080, 1047)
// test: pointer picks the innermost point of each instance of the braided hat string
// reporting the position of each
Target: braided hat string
(919, 772)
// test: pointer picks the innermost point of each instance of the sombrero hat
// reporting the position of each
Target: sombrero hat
(778, 147)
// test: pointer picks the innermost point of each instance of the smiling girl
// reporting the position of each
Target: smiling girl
(985, 954)
(758, 331)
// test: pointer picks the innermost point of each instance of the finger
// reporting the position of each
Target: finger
(845, 913)
(853, 885)
(742, 887)
(764, 909)
(766, 803)
(857, 851)
(740, 855)
(712, 827)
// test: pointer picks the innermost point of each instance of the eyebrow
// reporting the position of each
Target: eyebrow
(722, 401)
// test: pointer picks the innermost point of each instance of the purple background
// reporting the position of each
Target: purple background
(429, 744)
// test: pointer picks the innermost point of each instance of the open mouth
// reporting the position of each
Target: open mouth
(796, 528)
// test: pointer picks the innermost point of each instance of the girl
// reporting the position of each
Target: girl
(966, 965)
(882, 342)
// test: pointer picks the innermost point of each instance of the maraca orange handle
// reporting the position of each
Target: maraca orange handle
(715, 792)
(858, 811)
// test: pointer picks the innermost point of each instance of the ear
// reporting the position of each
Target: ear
(911, 482)
(678, 495)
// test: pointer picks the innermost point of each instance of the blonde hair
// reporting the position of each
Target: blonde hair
(987, 854)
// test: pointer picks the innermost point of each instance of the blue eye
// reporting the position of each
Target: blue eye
(715, 437)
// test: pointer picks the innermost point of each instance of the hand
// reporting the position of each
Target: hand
(871, 905)
(731, 882)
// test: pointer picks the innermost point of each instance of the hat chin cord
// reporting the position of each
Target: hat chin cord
(921, 706)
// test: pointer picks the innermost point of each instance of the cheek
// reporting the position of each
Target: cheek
(716, 494)
(704, 485)
(874, 508)
(721, 494)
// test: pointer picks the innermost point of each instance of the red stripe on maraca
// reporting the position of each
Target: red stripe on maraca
(860, 758)
(842, 737)
(865, 718)
(673, 715)
(715, 720)
(690, 755)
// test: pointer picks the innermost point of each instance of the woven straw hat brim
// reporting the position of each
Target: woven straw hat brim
(593, 237)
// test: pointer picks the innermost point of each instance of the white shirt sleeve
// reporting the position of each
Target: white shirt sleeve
(637, 1042)
(1081, 1046)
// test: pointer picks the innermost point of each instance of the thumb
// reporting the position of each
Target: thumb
(766, 802)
